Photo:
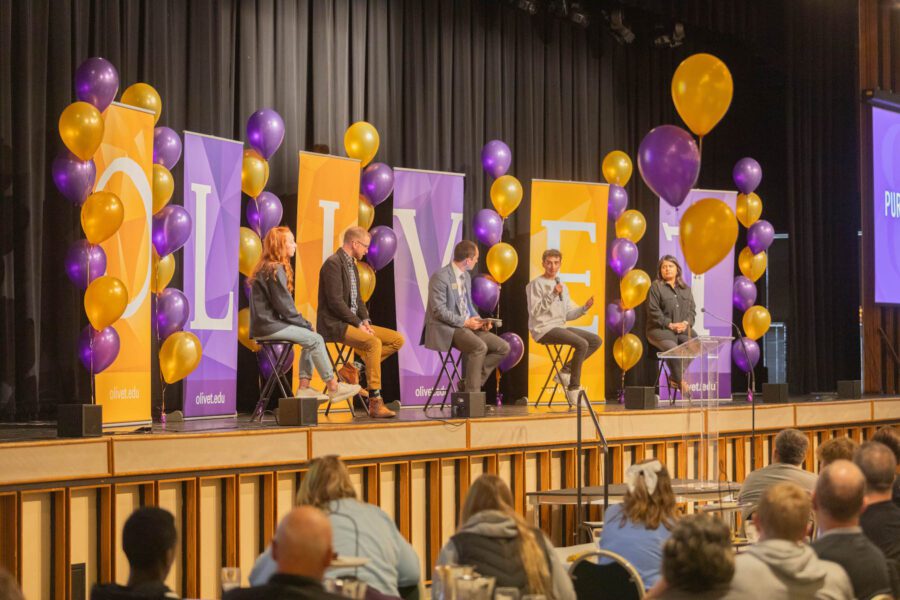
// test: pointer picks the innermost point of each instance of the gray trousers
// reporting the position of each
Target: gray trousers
(583, 343)
(666, 339)
(482, 351)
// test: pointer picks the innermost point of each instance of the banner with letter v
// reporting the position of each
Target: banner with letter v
(428, 213)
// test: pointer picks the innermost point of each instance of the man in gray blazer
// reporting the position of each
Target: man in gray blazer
(452, 321)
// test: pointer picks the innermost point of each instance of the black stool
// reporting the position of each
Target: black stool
(673, 390)
(343, 355)
(278, 353)
(557, 362)
(451, 367)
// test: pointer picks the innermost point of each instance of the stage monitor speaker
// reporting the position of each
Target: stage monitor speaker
(739, 398)
(467, 405)
(849, 389)
(298, 411)
(79, 420)
(775, 393)
(640, 397)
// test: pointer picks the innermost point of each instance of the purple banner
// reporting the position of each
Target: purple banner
(212, 196)
(712, 290)
(428, 213)
(886, 210)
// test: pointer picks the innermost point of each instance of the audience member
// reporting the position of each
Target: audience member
(781, 566)
(148, 540)
(9, 589)
(495, 539)
(838, 501)
(360, 529)
(890, 437)
(697, 560)
(834, 449)
(637, 528)
(880, 520)
(302, 550)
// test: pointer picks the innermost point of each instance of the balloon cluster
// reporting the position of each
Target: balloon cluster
(502, 259)
(747, 175)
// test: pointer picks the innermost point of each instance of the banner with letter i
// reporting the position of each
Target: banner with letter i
(428, 213)
(212, 196)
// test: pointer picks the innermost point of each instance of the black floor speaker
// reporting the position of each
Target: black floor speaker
(775, 393)
(849, 388)
(79, 420)
(298, 411)
(466, 405)
(640, 397)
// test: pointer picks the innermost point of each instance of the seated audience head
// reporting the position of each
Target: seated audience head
(838, 499)
(649, 499)
(466, 253)
(302, 544)
(489, 492)
(9, 589)
(783, 513)
(836, 448)
(878, 465)
(890, 437)
(277, 249)
(790, 447)
(148, 540)
(698, 556)
(356, 242)
(326, 480)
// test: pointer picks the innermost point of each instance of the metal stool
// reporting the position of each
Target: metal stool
(451, 367)
(557, 362)
(278, 353)
(673, 391)
(343, 355)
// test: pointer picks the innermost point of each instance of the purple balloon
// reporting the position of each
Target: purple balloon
(496, 158)
(74, 178)
(172, 312)
(488, 226)
(516, 351)
(166, 147)
(84, 262)
(623, 255)
(485, 293)
(172, 227)
(743, 293)
(618, 201)
(376, 183)
(265, 131)
(760, 236)
(619, 320)
(382, 247)
(263, 213)
(265, 368)
(745, 359)
(98, 349)
(669, 162)
(747, 174)
(97, 82)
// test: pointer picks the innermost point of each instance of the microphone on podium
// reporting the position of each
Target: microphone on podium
(740, 337)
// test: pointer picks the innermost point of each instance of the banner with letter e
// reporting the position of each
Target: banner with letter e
(428, 214)
(570, 216)
(124, 163)
(212, 196)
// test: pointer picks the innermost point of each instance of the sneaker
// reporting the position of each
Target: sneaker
(307, 392)
(563, 378)
(572, 396)
(343, 390)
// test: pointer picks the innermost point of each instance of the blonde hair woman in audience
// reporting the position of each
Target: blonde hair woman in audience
(496, 540)
(360, 529)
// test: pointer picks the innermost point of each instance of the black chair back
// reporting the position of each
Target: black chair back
(617, 580)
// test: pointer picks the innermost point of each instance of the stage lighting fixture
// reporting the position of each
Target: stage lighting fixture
(671, 40)
(558, 8)
(528, 6)
(578, 15)
(616, 21)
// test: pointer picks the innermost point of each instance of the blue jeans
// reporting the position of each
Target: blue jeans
(312, 350)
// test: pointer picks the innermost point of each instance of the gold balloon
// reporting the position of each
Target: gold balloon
(250, 250)
(366, 280)
(634, 287)
(254, 173)
(752, 266)
(144, 95)
(179, 356)
(756, 322)
(244, 330)
(617, 168)
(502, 261)
(162, 271)
(81, 129)
(163, 187)
(627, 350)
(101, 216)
(631, 225)
(361, 142)
(104, 301)
(702, 89)
(748, 209)
(366, 213)
(506, 194)
(707, 232)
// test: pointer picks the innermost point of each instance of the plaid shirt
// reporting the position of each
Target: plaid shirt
(354, 284)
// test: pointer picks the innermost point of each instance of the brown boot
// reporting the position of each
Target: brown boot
(377, 409)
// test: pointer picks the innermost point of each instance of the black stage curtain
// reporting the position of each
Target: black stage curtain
(438, 79)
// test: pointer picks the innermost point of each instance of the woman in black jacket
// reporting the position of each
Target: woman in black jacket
(670, 315)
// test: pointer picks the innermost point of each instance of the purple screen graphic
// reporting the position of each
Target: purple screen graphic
(886, 208)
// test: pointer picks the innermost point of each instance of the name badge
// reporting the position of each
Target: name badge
(454, 286)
